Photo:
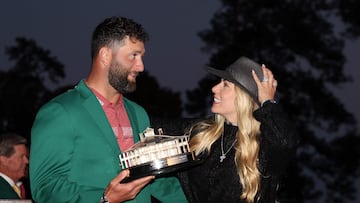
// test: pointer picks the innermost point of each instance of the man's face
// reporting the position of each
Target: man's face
(15, 166)
(125, 66)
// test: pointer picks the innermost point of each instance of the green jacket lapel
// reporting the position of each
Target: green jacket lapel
(98, 115)
(133, 120)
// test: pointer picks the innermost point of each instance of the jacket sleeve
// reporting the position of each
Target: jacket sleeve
(168, 190)
(52, 139)
(278, 139)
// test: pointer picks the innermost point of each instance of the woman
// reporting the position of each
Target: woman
(247, 145)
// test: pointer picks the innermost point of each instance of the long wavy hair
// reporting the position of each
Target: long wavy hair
(205, 133)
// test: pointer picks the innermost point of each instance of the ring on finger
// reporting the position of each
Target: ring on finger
(275, 83)
(265, 79)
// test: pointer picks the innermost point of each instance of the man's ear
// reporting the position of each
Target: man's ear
(105, 56)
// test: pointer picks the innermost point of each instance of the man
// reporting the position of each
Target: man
(13, 164)
(78, 136)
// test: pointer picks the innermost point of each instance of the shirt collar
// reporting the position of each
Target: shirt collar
(104, 101)
(8, 179)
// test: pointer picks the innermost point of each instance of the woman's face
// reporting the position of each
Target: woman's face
(224, 100)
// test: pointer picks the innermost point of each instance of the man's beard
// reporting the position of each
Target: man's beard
(118, 78)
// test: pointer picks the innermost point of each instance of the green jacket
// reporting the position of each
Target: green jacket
(74, 153)
(6, 191)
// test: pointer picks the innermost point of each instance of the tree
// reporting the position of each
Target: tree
(162, 104)
(348, 12)
(299, 42)
(23, 88)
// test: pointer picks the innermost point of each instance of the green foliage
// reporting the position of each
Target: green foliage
(158, 102)
(198, 101)
(23, 87)
(32, 60)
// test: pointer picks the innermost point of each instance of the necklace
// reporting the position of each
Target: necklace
(223, 155)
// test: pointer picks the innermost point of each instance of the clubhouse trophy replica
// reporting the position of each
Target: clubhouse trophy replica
(157, 155)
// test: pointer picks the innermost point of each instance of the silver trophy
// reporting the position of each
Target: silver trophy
(157, 155)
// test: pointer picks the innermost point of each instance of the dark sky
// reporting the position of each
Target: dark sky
(173, 54)
(65, 27)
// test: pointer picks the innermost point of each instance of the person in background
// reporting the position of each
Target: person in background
(24, 182)
(77, 137)
(246, 147)
(13, 165)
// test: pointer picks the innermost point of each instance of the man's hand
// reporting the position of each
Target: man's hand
(119, 192)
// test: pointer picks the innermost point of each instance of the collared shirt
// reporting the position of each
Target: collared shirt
(118, 119)
(8, 179)
(12, 183)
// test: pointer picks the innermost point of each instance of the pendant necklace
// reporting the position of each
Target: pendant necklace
(223, 155)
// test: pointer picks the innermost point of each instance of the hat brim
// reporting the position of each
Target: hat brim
(227, 76)
(240, 73)
(222, 74)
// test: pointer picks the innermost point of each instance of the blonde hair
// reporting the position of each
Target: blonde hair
(247, 147)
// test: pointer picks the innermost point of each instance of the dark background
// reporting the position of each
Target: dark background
(173, 53)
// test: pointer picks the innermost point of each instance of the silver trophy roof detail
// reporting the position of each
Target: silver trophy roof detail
(157, 151)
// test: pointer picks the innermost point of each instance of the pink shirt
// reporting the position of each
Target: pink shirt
(119, 120)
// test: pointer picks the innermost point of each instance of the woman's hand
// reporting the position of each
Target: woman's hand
(267, 87)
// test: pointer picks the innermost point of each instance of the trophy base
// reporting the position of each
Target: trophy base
(162, 167)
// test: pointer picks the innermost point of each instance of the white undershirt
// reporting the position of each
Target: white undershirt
(8, 179)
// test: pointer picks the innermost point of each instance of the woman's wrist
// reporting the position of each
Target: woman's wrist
(268, 101)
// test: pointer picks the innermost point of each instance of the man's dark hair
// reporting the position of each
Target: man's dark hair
(115, 29)
(8, 141)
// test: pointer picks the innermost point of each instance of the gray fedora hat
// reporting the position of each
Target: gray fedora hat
(240, 74)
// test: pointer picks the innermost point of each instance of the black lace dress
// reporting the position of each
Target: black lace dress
(215, 181)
